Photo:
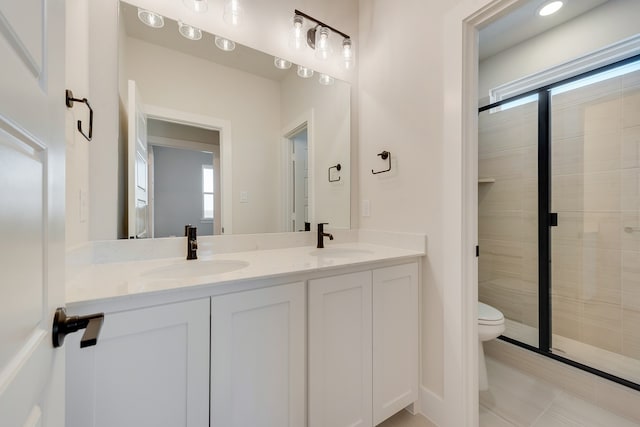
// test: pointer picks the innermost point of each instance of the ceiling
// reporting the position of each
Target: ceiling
(242, 57)
(523, 22)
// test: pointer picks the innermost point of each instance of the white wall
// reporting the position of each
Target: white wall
(170, 79)
(330, 138)
(400, 102)
(106, 190)
(602, 26)
(77, 165)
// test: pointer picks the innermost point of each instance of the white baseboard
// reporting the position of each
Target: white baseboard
(431, 406)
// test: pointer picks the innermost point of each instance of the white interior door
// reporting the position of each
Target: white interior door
(32, 154)
(300, 178)
(138, 169)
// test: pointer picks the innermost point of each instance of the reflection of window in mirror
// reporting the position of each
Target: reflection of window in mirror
(207, 192)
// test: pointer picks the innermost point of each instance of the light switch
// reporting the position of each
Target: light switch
(366, 208)
(244, 197)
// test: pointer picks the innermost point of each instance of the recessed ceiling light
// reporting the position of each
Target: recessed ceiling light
(304, 72)
(282, 64)
(189, 31)
(151, 19)
(550, 8)
(224, 44)
(326, 80)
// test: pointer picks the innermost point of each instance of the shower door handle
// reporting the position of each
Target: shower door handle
(553, 219)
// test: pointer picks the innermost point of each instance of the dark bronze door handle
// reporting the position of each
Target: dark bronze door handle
(63, 325)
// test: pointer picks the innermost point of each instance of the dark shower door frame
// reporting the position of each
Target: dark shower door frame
(548, 219)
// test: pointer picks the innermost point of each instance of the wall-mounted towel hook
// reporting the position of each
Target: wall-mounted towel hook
(385, 155)
(336, 167)
(69, 99)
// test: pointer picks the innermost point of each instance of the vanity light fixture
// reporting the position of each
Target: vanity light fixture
(224, 44)
(281, 64)
(151, 19)
(347, 54)
(296, 37)
(197, 6)
(189, 31)
(323, 47)
(232, 12)
(326, 80)
(304, 72)
(550, 8)
(319, 38)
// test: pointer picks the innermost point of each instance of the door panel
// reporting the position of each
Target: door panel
(32, 153)
(22, 236)
(395, 340)
(508, 215)
(149, 368)
(23, 28)
(258, 358)
(340, 370)
(595, 253)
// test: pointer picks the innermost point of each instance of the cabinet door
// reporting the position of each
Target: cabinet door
(340, 351)
(395, 339)
(149, 368)
(258, 358)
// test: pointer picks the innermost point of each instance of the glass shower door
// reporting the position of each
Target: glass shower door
(595, 250)
(508, 215)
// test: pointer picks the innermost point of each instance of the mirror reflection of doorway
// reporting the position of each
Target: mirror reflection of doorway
(300, 178)
(184, 175)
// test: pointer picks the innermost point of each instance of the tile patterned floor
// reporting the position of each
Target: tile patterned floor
(405, 419)
(516, 399)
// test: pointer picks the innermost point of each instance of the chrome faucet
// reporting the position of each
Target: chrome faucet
(322, 234)
(192, 241)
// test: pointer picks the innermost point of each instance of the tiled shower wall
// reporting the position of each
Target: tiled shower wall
(508, 212)
(596, 192)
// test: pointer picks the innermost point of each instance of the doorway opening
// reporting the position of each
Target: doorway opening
(576, 224)
(298, 182)
(184, 178)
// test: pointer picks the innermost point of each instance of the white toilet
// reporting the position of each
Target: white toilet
(490, 326)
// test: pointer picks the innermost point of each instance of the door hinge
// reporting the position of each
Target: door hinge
(477, 251)
(553, 219)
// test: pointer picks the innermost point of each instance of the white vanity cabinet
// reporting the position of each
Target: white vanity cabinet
(149, 368)
(258, 372)
(363, 346)
(320, 350)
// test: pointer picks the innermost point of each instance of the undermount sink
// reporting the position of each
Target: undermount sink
(339, 252)
(195, 268)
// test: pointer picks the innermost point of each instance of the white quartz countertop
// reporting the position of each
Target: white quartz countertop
(114, 280)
